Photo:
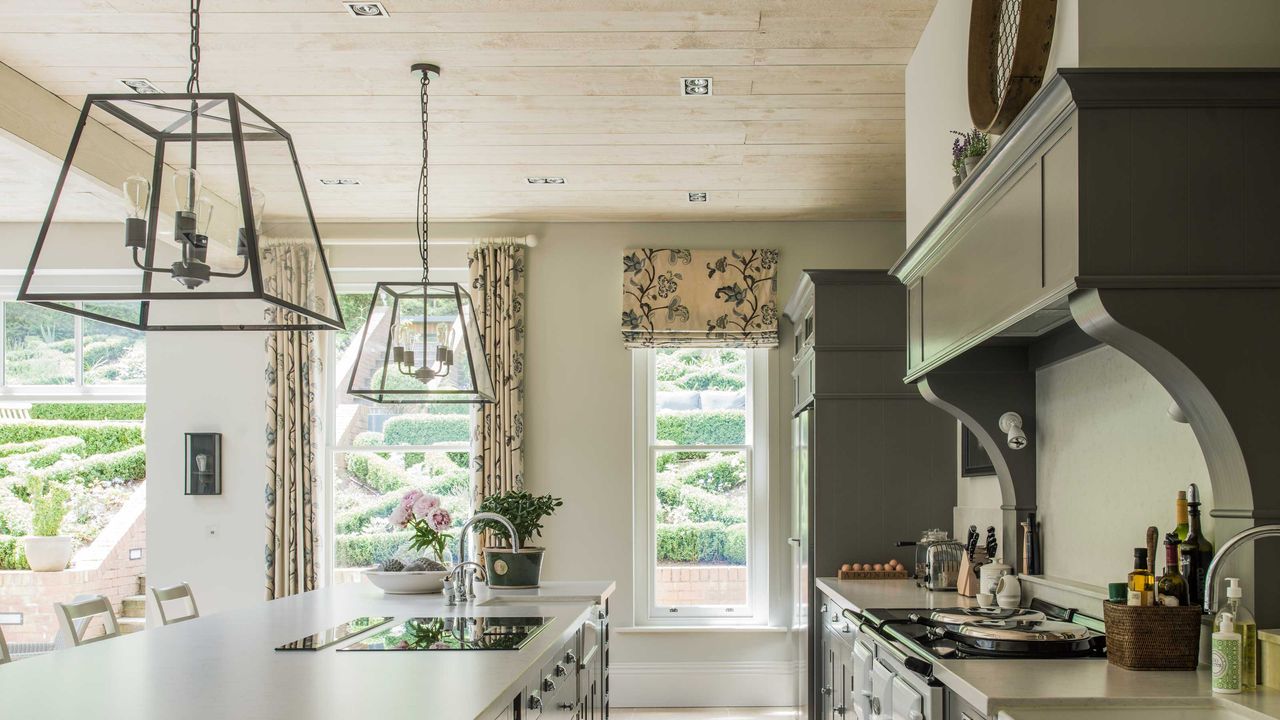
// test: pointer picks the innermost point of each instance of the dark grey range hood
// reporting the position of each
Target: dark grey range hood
(1135, 208)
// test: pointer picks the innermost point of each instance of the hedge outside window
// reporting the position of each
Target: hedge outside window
(44, 347)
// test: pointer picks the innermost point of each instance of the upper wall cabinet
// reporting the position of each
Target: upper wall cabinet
(1077, 194)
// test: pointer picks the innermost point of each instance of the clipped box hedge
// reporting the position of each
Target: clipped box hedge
(127, 465)
(702, 427)
(427, 429)
(709, 543)
(376, 472)
(88, 411)
(365, 550)
(37, 453)
(99, 439)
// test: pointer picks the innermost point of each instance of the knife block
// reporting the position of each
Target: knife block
(967, 583)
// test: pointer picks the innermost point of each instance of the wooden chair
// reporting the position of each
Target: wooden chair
(74, 618)
(4, 650)
(175, 592)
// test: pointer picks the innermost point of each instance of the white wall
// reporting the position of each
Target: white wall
(1110, 462)
(207, 382)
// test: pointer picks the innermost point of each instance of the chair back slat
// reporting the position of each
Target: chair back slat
(173, 593)
(75, 616)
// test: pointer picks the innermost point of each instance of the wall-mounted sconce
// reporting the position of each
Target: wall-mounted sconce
(204, 464)
(1011, 425)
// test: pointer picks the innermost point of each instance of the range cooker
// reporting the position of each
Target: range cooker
(894, 650)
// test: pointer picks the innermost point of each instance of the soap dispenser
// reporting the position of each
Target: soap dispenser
(1247, 628)
(1226, 655)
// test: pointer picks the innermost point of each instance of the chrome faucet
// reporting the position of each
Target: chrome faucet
(1244, 536)
(463, 584)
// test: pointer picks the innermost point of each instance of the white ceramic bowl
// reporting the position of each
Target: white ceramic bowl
(407, 583)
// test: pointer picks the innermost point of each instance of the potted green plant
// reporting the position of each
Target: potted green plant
(506, 567)
(46, 550)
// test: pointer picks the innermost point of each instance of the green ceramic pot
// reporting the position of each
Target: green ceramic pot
(507, 569)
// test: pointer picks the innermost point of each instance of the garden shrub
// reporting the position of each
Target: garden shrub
(370, 438)
(707, 543)
(720, 474)
(99, 438)
(376, 472)
(462, 458)
(665, 459)
(88, 411)
(12, 556)
(127, 465)
(364, 550)
(36, 454)
(701, 506)
(358, 518)
(427, 429)
(702, 427)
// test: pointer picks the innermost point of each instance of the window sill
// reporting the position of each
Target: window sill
(698, 629)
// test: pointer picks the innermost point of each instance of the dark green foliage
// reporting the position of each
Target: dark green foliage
(667, 458)
(355, 310)
(364, 550)
(718, 476)
(88, 411)
(37, 453)
(525, 511)
(427, 429)
(451, 483)
(461, 459)
(99, 439)
(380, 474)
(702, 427)
(698, 505)
(707, 543)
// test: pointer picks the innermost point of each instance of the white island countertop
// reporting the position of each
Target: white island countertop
(1017, 689)
(225, 666)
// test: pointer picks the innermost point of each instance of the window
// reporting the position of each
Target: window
(376, 453)
(48, 353)
(701, 485)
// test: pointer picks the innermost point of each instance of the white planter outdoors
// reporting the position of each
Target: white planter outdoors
(48, 554)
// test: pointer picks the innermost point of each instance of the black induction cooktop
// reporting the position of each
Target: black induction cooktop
(453, 633)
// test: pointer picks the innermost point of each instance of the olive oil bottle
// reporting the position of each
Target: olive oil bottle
(1180, 516)
(1142, 583)
(1195, 552)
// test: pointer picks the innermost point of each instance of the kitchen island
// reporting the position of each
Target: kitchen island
(225, 665)
(1039, 689)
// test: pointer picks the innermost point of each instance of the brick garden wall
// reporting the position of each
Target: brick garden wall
(700, 585)
(34, 593)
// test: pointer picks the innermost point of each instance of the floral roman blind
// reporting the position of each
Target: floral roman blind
(702, 298)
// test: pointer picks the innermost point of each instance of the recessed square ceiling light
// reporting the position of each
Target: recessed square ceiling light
(697, 197)
(339, 181)
(367, 9)
(695, 86)
(142, 86)
(535, 180)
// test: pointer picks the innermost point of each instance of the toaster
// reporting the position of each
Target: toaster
(941, 565)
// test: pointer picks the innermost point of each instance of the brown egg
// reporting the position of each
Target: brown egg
(894, 564)
(846, 567)
(857, 567)
(879, 567)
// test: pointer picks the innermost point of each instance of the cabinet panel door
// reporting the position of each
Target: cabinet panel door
(907, 703)
(860, 686)
(993, 272)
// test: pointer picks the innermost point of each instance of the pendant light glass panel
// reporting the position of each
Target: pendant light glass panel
(421, 343)
(169, 219)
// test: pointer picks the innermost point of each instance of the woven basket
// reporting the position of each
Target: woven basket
(1152, 638)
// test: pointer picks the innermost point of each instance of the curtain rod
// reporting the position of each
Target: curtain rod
(525, 240)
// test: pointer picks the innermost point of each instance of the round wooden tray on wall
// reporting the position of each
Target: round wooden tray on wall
(1009, 43)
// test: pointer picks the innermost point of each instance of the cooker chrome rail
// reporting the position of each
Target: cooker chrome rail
(914, 663)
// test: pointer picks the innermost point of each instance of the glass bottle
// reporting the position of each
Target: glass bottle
(1172, 587)
(1180, 515)
(1142, 582)
(1195, 552)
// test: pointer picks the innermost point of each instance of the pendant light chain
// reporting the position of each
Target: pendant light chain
(423, 249)
(193, 82)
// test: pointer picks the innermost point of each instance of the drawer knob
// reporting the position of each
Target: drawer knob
(560, 671)
(548, 685)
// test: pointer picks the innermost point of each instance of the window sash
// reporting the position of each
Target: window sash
(648, 612)
(77, 388)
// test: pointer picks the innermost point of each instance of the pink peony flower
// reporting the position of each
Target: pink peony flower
(424, 504)
(409, 499)
(399, 516)
(439, 519)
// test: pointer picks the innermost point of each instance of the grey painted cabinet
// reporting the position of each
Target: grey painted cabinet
(879, 462)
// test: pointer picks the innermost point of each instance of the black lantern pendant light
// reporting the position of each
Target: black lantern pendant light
(421, 342)
(189, 253)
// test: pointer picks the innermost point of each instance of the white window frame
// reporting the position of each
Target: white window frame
(644, 503)
(77, 390)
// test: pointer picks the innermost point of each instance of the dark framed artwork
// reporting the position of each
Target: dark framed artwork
(974, 461)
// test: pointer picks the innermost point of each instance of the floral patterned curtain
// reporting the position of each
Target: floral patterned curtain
(702, 298)
(293, 368)
(497, 290)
